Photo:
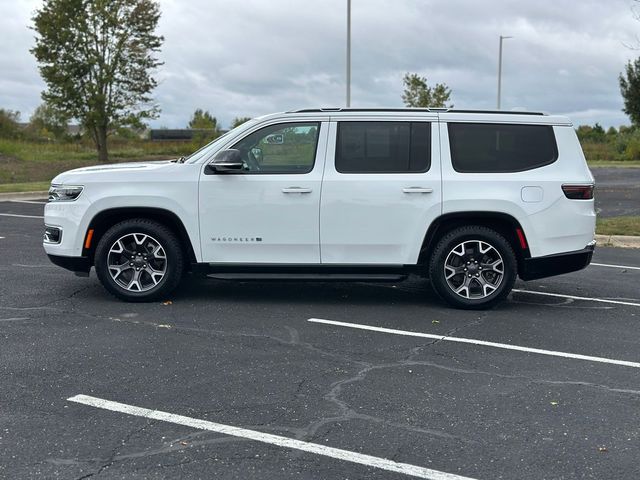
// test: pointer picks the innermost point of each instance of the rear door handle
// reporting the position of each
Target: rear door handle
(417, 190)
(296, 190)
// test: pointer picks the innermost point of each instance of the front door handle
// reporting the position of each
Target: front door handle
(296, 190)
(417, 190)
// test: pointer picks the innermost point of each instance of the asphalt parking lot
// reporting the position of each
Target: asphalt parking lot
(617, 191)
(233, 380)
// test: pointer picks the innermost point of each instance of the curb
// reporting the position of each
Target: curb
(24, 195)
(621, 241)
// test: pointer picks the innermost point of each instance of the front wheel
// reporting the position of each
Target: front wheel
(473, 267)
(139, 260)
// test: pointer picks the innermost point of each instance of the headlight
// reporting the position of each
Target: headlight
(64, 193)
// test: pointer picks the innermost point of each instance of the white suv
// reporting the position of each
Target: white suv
(469, 199)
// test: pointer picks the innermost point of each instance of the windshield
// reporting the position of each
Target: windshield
(204, 151)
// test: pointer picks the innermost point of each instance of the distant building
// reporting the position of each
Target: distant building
(180, 133)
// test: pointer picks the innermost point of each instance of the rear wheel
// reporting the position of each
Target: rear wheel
(473, 267)
(139, 260)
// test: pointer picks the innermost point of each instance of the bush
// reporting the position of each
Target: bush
(9, 127)
(613, 145)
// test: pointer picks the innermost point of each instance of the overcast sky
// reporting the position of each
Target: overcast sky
(251, 57)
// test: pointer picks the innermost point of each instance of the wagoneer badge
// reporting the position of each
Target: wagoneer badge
(236, 239)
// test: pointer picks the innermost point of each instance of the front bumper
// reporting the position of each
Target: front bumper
(557, 264)
(79, 265)
(71, 219)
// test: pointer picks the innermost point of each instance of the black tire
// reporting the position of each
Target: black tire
(484, 288)
(171, 266)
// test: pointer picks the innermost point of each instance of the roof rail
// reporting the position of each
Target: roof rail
(432, 110)
(501, 112)
(341, 109)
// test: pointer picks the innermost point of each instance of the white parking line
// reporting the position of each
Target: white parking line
(625, 267)
(20, 216)
(574, 297)
(473, 341)
(346, 455)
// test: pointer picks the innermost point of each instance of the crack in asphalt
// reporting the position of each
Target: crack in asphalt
(48, 305)
(347, 413)
(112, 457)
(179, 444)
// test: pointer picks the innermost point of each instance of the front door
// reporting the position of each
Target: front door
(381, 190)
(269, 211)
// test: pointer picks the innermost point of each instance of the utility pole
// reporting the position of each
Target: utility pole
(499, 68)
(348, 53)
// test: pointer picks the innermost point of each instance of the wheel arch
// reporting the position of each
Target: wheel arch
(503, 223)
(105, 219)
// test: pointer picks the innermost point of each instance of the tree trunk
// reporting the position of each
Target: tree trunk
(101, 144)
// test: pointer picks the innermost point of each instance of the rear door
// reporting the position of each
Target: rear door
(381, 189)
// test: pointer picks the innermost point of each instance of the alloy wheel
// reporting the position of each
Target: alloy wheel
(137, 262)
(474, 269)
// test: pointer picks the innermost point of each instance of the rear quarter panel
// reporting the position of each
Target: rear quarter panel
(551, 222)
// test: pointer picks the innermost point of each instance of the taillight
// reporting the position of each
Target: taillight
(578, 192)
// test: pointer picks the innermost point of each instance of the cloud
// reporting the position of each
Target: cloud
(254, 57)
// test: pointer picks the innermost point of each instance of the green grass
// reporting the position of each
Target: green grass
(27, 161)
(623, 164)
(24, 187)
(618, 226)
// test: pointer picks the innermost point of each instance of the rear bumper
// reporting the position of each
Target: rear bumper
(78, 265)
(550, 265)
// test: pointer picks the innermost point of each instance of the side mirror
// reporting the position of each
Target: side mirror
(226, 161)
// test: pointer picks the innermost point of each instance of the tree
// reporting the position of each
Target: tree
(9, 127)
(418, 94)
(96, 58)
(48, 121)
(594, 134)
(239, 121)
(630, 89)
(203, 120)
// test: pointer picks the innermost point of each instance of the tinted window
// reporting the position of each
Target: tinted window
(282, 148)
(481, 147)
(383, 147)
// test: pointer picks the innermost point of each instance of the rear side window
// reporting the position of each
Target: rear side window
(383, 147)
(487, 148)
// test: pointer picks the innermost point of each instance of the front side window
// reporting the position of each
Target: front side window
(383, 147)
(493, 148)
(282, 148)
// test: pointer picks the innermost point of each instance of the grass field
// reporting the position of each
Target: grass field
(24, 187)
(22, 161)
(613, 164)
(618, 226)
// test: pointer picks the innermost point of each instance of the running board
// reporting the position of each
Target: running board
(318, 277)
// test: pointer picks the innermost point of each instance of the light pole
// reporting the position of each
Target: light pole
(502, 37)
(348, 53)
